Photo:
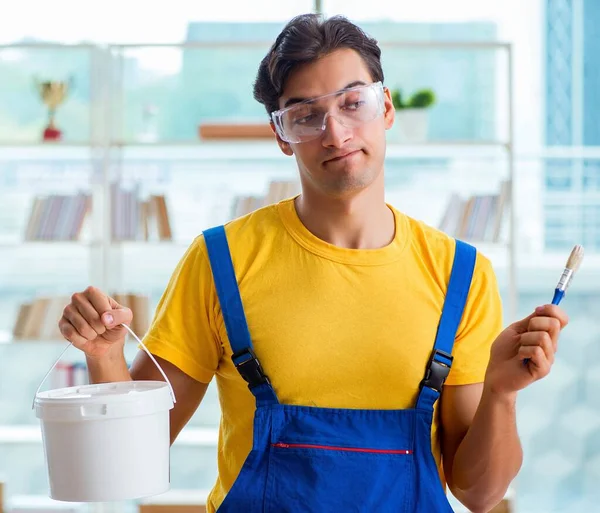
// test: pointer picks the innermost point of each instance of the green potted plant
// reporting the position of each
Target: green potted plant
(411, 124)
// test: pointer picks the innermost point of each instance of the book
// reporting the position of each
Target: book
(57, 217)
(277, 191)
(477, 218)
(134, 218)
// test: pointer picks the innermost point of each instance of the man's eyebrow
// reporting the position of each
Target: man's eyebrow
(291, 101)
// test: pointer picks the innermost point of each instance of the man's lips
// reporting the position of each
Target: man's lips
(342, 156)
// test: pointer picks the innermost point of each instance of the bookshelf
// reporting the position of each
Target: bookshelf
(118, 213)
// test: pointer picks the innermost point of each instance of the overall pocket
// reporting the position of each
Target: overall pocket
(282, 445)
(315, 477)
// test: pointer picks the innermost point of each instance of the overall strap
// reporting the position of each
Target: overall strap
(243, 357)
(440, 360)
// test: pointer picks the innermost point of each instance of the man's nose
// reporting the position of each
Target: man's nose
(334, 133)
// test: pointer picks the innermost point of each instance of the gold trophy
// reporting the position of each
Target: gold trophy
(52, 93)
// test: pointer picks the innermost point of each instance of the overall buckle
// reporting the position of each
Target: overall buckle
(437, 371)
(250, 368)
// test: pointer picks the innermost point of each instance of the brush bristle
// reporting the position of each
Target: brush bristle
(575, 258)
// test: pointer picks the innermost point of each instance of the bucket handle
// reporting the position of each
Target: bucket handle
(141, 344)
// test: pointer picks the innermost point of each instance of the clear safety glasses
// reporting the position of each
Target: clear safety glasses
(352, 107)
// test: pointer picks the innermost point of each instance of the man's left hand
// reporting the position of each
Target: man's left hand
(524, 352)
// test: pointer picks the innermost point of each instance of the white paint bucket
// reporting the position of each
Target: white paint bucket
(107, 442)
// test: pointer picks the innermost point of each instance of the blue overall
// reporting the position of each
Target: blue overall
(310, 459)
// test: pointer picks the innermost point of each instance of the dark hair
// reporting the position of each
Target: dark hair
(305, 39)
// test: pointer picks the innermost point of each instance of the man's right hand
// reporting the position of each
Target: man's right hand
(92, 322)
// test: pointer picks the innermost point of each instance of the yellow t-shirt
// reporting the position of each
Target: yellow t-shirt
(332, 327)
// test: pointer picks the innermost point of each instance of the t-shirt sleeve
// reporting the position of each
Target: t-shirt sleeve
(480, 325)
(183, 330)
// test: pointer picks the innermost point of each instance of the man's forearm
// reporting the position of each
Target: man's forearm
(490, 455)
(110, 368)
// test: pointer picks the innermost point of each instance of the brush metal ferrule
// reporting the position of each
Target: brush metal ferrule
(565, 279)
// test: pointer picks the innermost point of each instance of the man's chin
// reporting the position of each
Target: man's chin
(348, 184)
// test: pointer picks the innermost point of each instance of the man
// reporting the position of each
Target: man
(340, 313)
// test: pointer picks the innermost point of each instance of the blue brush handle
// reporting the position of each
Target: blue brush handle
(558, 295)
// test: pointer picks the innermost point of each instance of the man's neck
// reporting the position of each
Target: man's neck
(361, 222)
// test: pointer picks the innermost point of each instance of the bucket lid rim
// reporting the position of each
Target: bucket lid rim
(77, 394)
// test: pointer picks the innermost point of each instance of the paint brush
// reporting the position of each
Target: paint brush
(571, 268)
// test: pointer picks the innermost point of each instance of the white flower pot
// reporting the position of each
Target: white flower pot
(410, 126)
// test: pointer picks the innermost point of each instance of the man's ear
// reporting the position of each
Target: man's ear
(283, 146)
(389, 113)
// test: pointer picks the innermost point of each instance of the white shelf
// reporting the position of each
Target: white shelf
(39, 244)
(198, 437)
(46, 244)
(177, 244)
(10, 340)
(31, 152)
(32, 434)
(245, 150)
(49, 145)
(451, 149)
